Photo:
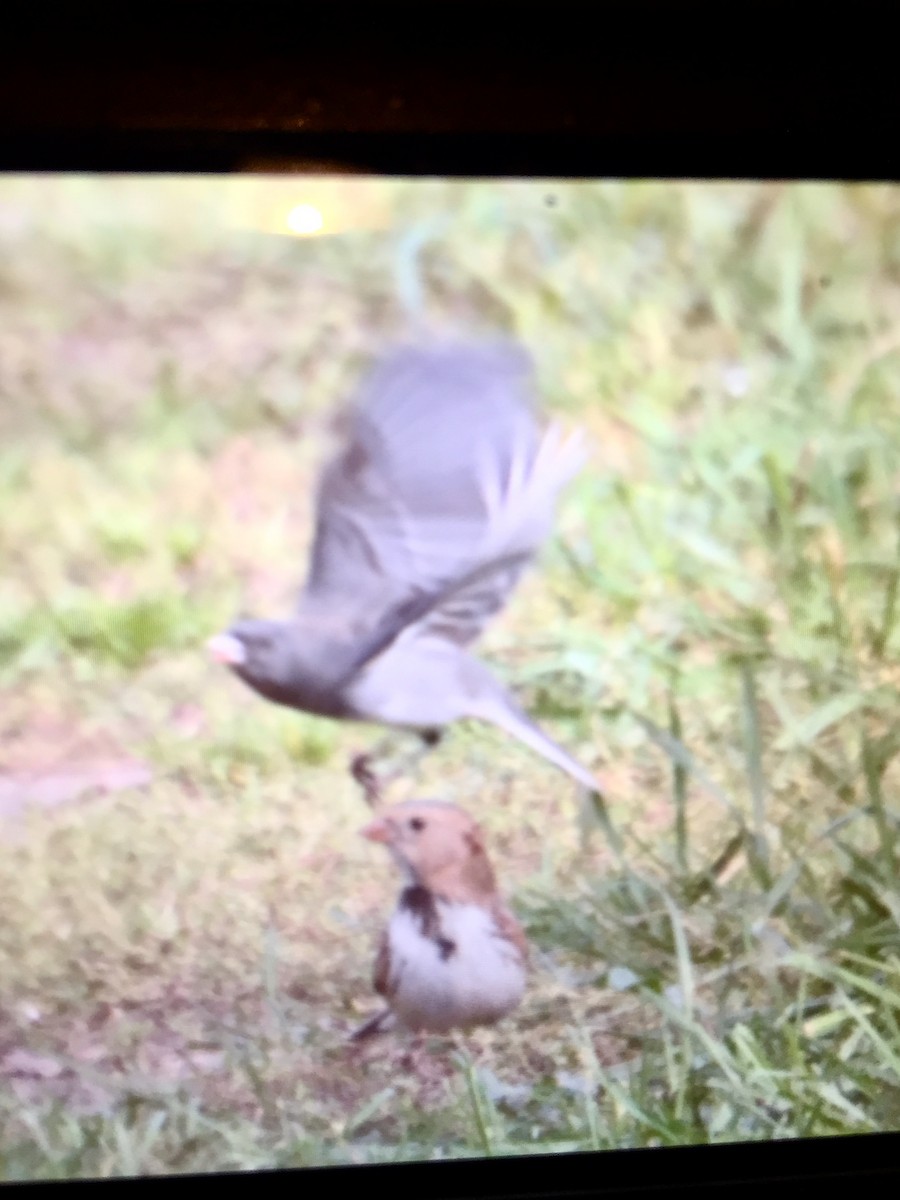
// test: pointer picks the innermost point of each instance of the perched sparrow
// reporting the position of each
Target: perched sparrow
(453, 955)
(426, 520)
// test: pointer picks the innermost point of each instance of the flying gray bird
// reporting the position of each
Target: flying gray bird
(439, 499)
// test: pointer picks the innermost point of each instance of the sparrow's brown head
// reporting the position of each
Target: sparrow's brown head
(439, 845)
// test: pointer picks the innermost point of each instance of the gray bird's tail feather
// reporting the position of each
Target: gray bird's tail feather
(501, 710)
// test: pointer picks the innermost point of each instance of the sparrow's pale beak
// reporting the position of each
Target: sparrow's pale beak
(378, 831)
(225, 648)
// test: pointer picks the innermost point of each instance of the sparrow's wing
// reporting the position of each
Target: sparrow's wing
(385, 1020)
(508, 927)
(382, 973)
(443, 471)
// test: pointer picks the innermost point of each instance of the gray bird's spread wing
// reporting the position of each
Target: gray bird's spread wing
(442, 493)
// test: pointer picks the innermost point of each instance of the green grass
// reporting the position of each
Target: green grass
(717, 956)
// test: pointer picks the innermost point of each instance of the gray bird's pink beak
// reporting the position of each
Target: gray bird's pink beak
(225, 648)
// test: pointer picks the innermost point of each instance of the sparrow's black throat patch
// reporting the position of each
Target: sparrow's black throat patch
(422, 904)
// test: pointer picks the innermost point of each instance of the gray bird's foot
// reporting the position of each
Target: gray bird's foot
(373, 784)
(364, 773)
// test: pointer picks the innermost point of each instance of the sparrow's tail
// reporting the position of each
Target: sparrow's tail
(499, 708)
(382, 1022)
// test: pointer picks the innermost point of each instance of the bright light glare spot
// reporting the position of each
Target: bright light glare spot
(305, 218)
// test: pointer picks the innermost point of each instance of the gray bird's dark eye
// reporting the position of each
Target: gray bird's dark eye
(417, 824)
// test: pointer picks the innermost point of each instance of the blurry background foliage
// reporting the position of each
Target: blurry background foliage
(715, 623)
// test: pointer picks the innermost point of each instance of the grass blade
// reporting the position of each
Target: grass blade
(755, 775)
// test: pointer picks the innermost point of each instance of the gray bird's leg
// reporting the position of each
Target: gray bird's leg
(424, 743)
(363, 768)
(426, 740)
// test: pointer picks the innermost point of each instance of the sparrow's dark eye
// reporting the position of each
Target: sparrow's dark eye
(417, 824)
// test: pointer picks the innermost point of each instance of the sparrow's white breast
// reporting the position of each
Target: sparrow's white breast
(473, 975)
